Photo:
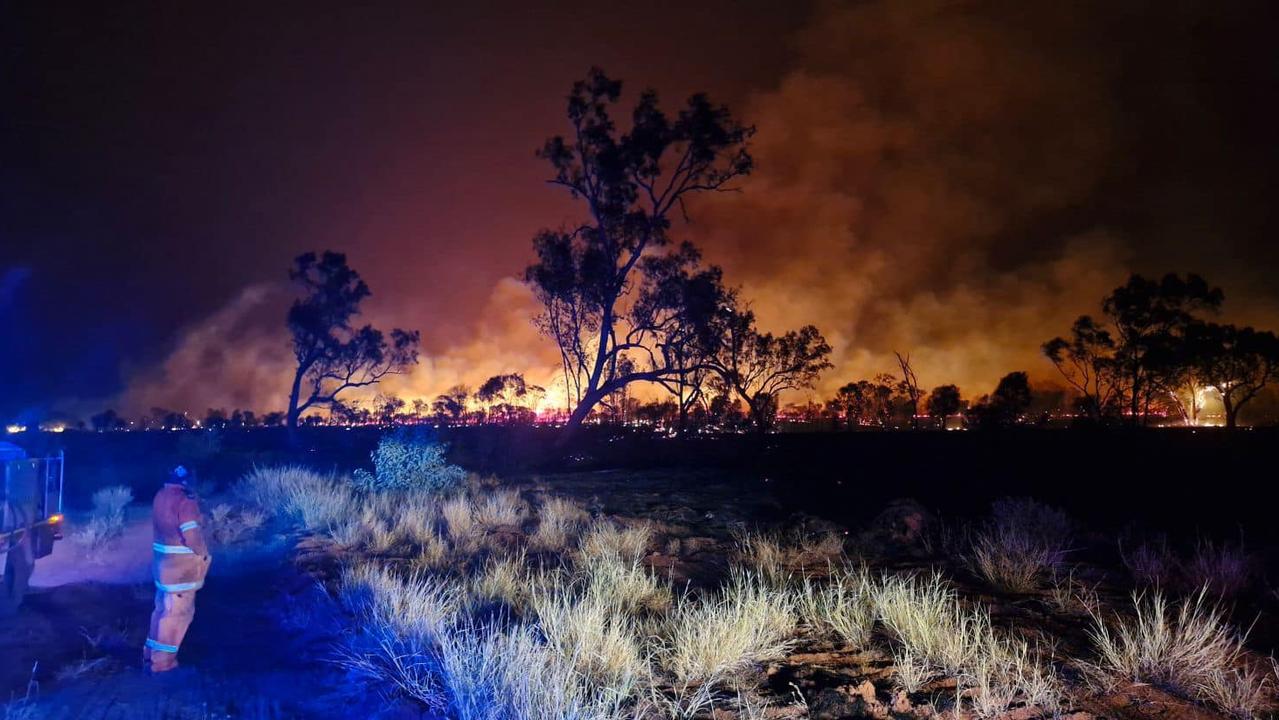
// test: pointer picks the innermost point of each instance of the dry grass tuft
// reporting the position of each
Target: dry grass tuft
(106, 520)
(923, 614)
(1246, 692)
(774, 558)
(501, 508)
(628, 586)
(503, 579)
(912, 672)
(459, 518)
(589, 631)
(492, 674)
(1225, 570)
(1151, 564)
(1022, 543)
(844, 606)
(605, 540)
(1189, 649)
(415, 604)
(559, 520)
(714, 638)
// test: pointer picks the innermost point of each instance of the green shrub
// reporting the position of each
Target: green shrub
(407, 459)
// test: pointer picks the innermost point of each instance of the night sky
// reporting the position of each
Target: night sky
(955, 179)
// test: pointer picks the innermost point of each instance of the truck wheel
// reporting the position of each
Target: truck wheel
(18, 565)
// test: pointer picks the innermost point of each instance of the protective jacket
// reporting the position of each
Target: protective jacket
(180, 564)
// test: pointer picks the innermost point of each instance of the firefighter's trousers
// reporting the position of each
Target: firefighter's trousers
(178, 575)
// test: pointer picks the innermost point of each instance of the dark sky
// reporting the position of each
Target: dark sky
(156, 160)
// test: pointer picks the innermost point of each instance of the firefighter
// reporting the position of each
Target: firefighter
(180, 564)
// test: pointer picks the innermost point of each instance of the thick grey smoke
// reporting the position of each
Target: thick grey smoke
(954, 180)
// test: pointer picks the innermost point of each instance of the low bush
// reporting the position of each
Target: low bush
(407, 458)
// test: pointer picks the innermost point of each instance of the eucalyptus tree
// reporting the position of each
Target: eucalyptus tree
(600, 283)
(333, 355)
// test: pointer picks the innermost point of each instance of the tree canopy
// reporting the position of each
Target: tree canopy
(332, 355)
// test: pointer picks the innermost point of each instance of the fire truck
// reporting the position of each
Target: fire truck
(30, 517)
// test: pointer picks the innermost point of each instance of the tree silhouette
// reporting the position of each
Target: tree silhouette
(106, 421)
(509, 398)
(867, 402)
(1006, 405)
(332, 355)
(1149, 316)
(1087, 362)
(588, 279)
(944, 402)
(388, 409)
(215, 419)
(450, 408)
(1237, 362)
(910, 387)
(760, 366)
(691, 299)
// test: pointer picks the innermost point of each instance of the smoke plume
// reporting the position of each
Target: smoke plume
(953, 180)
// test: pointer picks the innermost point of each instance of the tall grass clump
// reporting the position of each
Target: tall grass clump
(923, 614)
(558, 521)
(1021, 543)
(503, 579)
(317, 501)
(459, 517)
(1225, 570)
(401, 619)
(106, 519)
(412, 604)
(407, 459)
(1188, 648)
(628, 585)
(713, 638)
(995, 671)
(844, 606)
(588, 630)
(774, 556)
(604, 539)
(500, 674)
(1246, 692)
(500, 508)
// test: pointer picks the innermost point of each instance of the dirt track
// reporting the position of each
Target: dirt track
(237, 661)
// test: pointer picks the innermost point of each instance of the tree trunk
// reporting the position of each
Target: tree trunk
(1232, 412)
(758, 418)
(589, 401)
(291, 420)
